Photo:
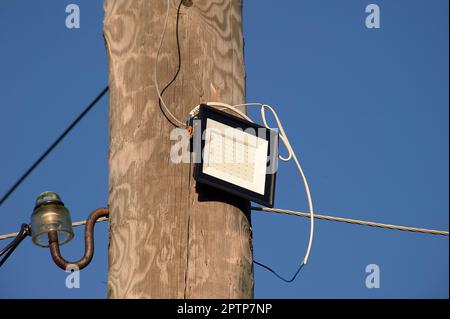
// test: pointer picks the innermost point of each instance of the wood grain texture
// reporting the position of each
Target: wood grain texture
(171, 238)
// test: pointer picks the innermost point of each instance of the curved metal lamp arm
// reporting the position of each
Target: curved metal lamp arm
(88, 242)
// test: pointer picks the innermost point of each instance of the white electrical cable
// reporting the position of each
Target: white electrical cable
(155, 73)
(291, 155)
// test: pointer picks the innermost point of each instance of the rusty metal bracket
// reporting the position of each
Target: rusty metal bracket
(88, 242)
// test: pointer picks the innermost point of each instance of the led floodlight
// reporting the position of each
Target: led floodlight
(237, 156)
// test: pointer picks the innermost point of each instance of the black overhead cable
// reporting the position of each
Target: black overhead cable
(52, 146)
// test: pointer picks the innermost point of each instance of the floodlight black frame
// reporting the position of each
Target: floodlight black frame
(266, 199)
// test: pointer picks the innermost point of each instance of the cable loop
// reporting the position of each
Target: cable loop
(291, 155)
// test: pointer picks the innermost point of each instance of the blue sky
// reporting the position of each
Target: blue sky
(366, 111)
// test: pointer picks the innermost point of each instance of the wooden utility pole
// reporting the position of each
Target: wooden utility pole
(171, 238)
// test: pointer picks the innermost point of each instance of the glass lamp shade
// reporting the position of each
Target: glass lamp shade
(50, 215)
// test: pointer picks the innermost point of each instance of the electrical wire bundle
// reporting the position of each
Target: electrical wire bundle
(25, 231)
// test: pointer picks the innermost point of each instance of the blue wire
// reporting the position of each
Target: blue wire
(279, 276)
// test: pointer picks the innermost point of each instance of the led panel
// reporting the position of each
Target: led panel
(236, 156)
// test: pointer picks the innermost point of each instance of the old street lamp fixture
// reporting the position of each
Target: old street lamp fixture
(51, 227)
(235, 155)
